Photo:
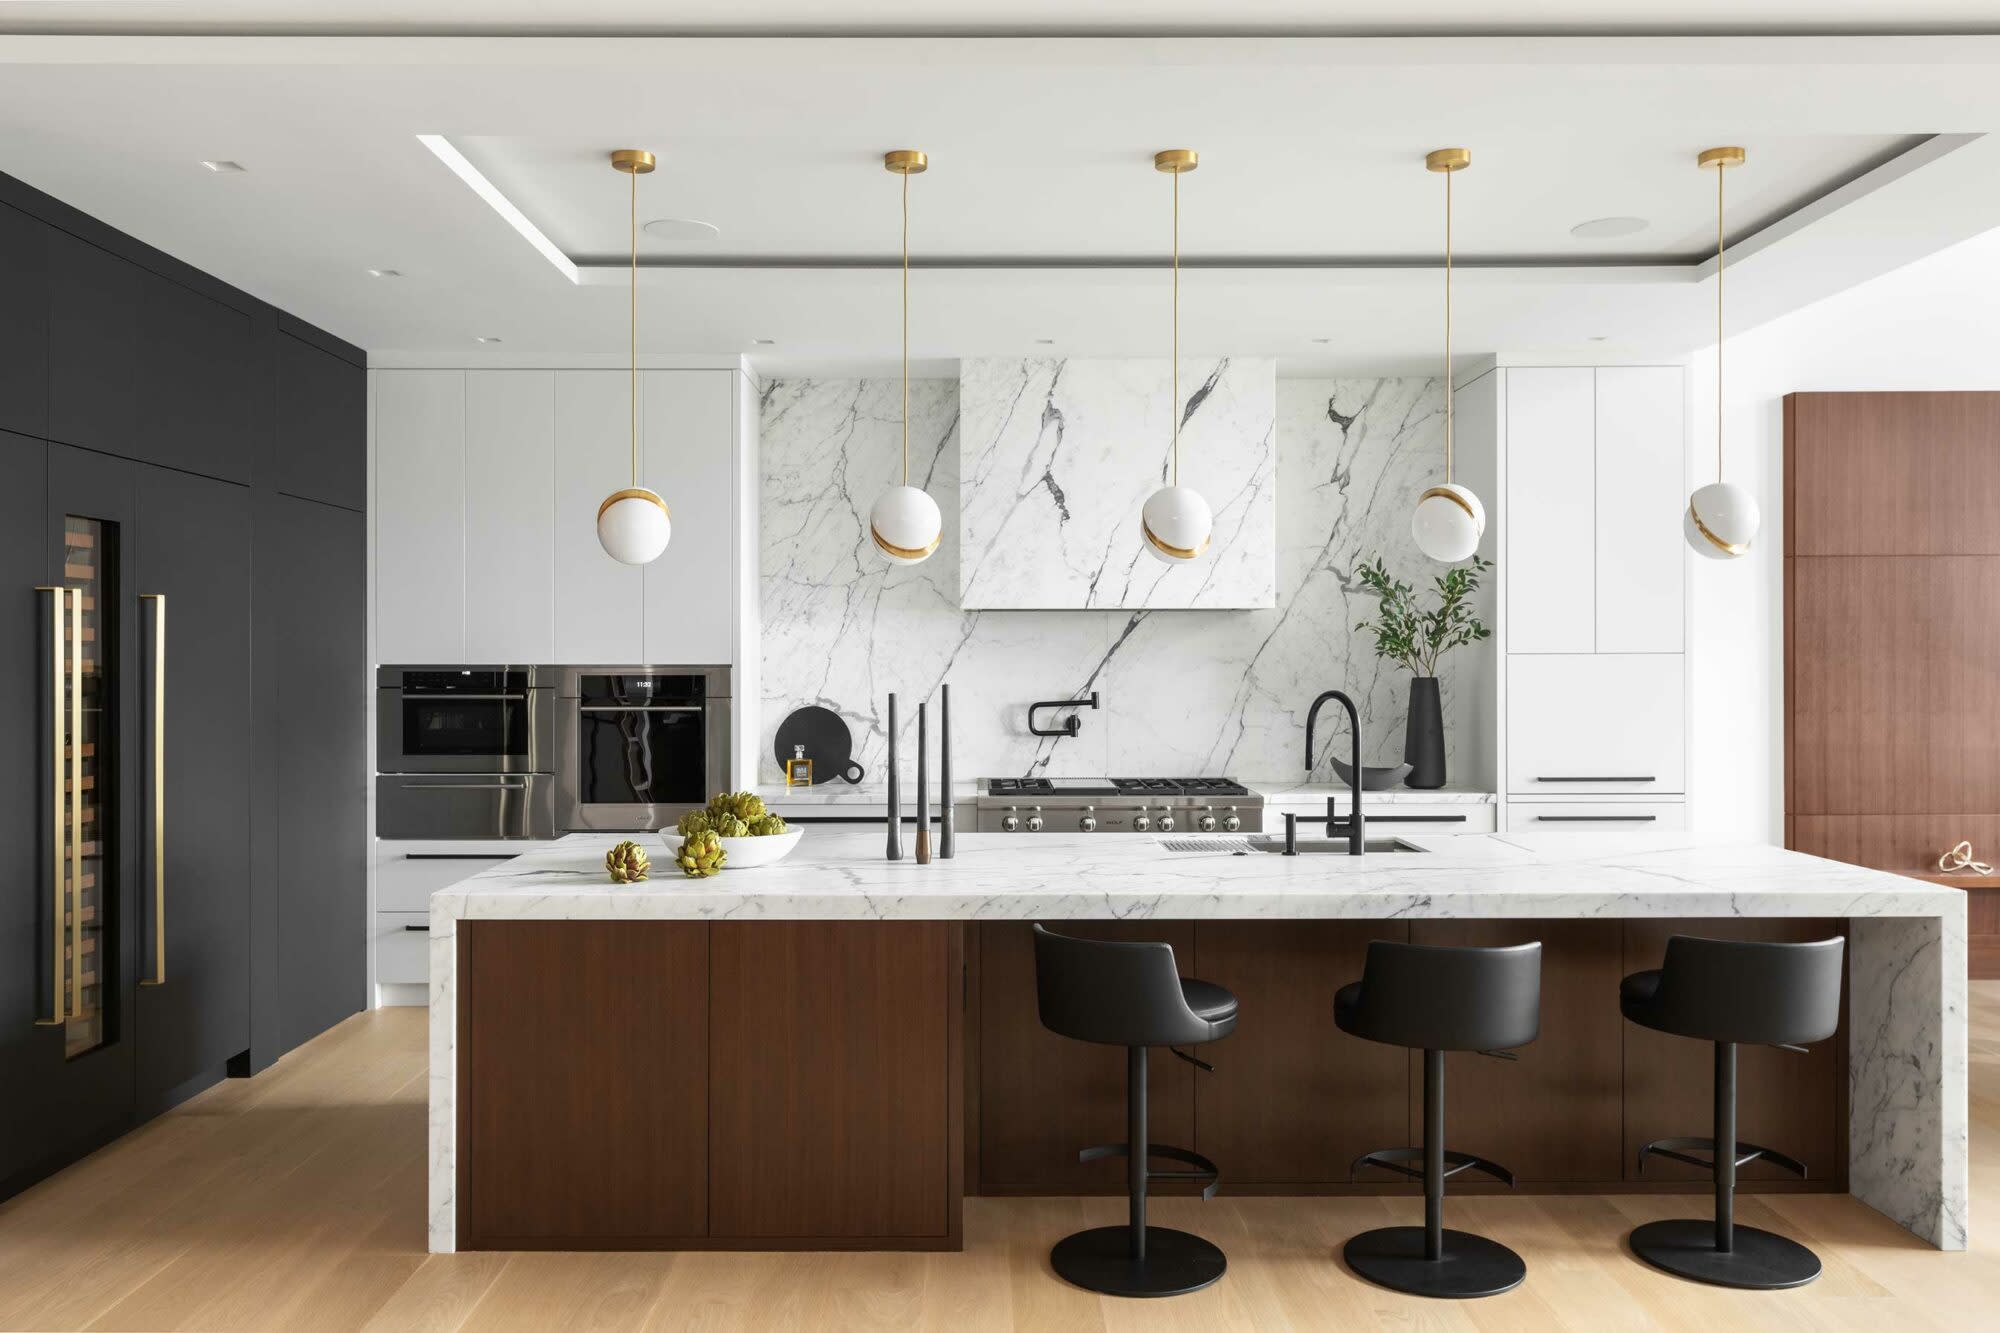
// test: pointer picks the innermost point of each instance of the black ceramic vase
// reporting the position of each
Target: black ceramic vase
(1423, 743)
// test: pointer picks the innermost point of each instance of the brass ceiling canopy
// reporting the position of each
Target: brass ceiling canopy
(1720, 157)
(1448, 159)
(906, 162)
(1175, 161)
(633, 161)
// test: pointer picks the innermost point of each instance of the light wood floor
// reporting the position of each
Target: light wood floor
(295, 1201)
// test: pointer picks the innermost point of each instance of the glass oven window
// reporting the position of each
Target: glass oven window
(452, 726)
(642, 756)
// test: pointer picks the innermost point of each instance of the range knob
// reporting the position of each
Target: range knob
(1141, 822)
(1166, 821)
(1035, 820)
(1206, 821)
(1010, 822)
(1231, 821)
(1088, 824)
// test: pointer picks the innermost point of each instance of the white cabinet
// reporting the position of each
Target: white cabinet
(420, 516)
(406, 875)
(599, 603)
(1551, 510)
(510, 449)
(1596, 817)
(1591, 723)
(402, 948)
(688, 423)
(1640, 494)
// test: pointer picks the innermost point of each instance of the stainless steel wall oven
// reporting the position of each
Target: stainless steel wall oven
(639, 746)
(465, 752)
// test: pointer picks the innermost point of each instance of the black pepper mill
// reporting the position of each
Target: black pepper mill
(895, 791)
(923, 787)
(947, 807)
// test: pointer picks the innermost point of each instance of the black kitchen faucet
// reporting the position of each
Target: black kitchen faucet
(1356, 833)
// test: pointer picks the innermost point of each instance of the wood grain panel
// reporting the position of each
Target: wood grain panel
(1044, 1097)
(1910, 845)
(1554, 1114)
(1293, 1098)
(1892, 473)
(833, 1099)
(1787, 1101)
(583, 1113)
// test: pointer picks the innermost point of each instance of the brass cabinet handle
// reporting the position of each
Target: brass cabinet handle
(76, 802)
(58, 603)
(159, 601)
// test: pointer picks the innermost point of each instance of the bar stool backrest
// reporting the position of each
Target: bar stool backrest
(1760, 992)
(1118, 992)
(1450, 998)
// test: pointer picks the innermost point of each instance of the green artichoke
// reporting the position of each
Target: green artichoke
(628, 863)
(767, 826)
(694, 821)
(700, 855)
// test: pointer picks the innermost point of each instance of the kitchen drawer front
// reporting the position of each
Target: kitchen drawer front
(405, 883)
(1391, 816)
(1607, 723)
(1596, 816)
(402, 948)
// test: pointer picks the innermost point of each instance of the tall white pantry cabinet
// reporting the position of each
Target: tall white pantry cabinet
(487, 484)
(1591, 584)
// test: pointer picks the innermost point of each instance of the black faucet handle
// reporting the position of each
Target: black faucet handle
(1291, 833)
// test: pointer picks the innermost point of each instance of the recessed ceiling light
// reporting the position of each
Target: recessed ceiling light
(1600, 229)
(444, 151)
(1322, 340)
(486, 340)
(1045, 342)
(765, 342)
(385, 273)
(681, 229)
(222, 165)
(1599, 337)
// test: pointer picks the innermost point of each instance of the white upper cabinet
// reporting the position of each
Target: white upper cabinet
(1551, 516)
(420, 516)
(687, 426)
(510, 525)
(1641, 491)
(599, 603)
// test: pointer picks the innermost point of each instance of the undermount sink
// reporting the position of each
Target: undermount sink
(1266, 842)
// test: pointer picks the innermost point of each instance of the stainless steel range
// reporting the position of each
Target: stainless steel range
(1118, 805)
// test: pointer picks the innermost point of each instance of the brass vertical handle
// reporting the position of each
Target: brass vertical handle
(159, 601)
(76, 803)
(58, 603)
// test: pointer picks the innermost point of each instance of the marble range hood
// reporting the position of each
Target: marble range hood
(1057, 456)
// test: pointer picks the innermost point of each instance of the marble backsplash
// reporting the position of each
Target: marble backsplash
(1184, 692)
(1059, 455)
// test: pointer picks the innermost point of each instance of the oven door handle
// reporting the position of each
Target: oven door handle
(412, 697)
(641, 708)
(519, 785)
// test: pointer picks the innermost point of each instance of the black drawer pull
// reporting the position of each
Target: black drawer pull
(1597, 819)
(1590, 779)
(425, 929)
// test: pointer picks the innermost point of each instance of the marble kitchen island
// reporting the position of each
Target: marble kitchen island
(831, 1051)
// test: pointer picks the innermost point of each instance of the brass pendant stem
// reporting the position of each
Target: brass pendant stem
(1177, 329)
(906, 328)
(635, 328)
(1447, 327)
(1719, 172)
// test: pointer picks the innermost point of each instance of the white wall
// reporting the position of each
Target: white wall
(1929, 326)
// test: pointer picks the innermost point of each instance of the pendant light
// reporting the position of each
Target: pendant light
(632, 524)
(1176, 521)
(905, 522)
(1722, 518)
(1449, 520)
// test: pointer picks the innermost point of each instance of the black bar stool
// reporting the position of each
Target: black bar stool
(1130, 994)
(1437, 998)
(1733, 992)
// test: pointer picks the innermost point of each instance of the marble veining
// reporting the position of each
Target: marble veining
(1185, 692)
(1059, 455)
(1907, 1000)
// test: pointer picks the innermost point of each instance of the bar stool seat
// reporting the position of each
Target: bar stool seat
(1731, 992)
(1435, 999)
(1130, 994)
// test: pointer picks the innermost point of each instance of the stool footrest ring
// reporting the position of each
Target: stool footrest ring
(1392, 1159)
(1746, 1153)
(1205, 1173)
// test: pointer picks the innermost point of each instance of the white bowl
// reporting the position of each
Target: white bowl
(749, 853)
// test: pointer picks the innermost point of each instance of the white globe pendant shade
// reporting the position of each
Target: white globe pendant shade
(906, 525)
(1448, 523)
(1176, 523)
(633, 527)
(1721, 520)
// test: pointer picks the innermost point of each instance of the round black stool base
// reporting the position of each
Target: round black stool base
(1100, 1260)
(1760, 1260)
(1393, 1257)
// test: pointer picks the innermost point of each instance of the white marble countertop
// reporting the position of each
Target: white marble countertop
(840, 874)
(865, 798)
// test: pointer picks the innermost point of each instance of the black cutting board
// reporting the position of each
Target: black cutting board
(829, 744)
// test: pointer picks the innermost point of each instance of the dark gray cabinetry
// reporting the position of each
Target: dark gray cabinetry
(199, 382)
(94, 367)
(323, 405)
(24, 324)
(193, 543)
(318, 554)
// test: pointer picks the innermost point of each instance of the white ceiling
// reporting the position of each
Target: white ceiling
(998, 16)
(1311, 217)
